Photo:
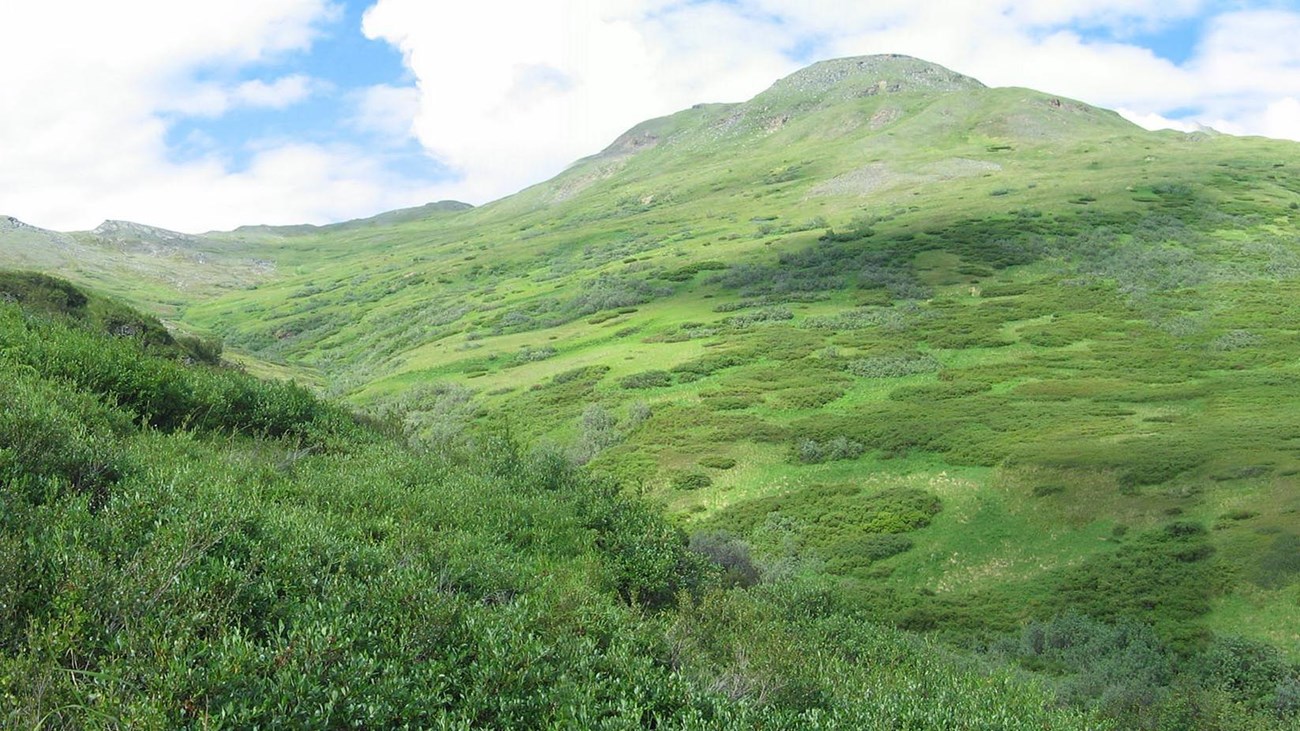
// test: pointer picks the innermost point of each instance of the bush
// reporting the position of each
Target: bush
(613, 293)
(1249, 672)
(707, 365)
(531, 354)
(647, 379)
(202, 350)
(730, 553)
(811, 451)
(691, 481)
(749, 319)
(52, 440)
(812, 397)
(1122, 670)
(598, 430)
(717, 463)
(852, 555)
(1164, 577)
(894, 365)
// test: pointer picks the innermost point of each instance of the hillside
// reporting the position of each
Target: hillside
(978, 359)
(182, 546)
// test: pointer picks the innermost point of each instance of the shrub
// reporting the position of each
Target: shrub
(647, 379)
(202, 350)
(691, 481)
(1246, 670)
(770, 314)
(580, 374)
(852, 555)
(811, 397)
(52, 440)
(717, 463)
(729, 552)
(707, 365)
(532, 354)
(1280, 563)
(894, 365)
(1163, 576)
(1121, 669)
(1235, 340)
(598, 430)
(613, 293)
(811, 451)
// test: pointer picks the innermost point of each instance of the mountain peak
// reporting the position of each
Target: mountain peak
(9, 222)
(129, 230)
(860, 76)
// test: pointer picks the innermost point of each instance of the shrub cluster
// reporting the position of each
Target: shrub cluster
(811, 451)
(894, 365)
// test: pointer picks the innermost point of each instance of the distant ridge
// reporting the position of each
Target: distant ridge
(388, 218)
(9, 222)
(129, 233)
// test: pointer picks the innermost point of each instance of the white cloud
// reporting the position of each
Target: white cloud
(281, 93)
(1153, 121)
(1281, 119)
(214, 100)
(387, 111)
(89, 89)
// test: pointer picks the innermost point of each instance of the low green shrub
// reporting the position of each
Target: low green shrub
(691, 481)
(810, 451)
(1165, 577)
(647, 379)
(728, 552)
(894, 365)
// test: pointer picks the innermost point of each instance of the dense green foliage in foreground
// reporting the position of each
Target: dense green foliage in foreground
(254, 557)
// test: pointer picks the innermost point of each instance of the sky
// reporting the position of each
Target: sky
(201, 115)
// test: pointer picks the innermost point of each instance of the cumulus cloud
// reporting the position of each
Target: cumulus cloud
(90, 93)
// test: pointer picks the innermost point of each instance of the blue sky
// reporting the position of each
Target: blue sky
(341, 60)
(211, 114)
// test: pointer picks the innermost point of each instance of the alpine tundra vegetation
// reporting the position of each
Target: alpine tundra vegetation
(885, 399)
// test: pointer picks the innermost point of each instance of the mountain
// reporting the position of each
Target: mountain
(976, 357)
(145, 265)
(157, 268)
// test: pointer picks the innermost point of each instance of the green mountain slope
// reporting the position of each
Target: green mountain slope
(978, 357)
